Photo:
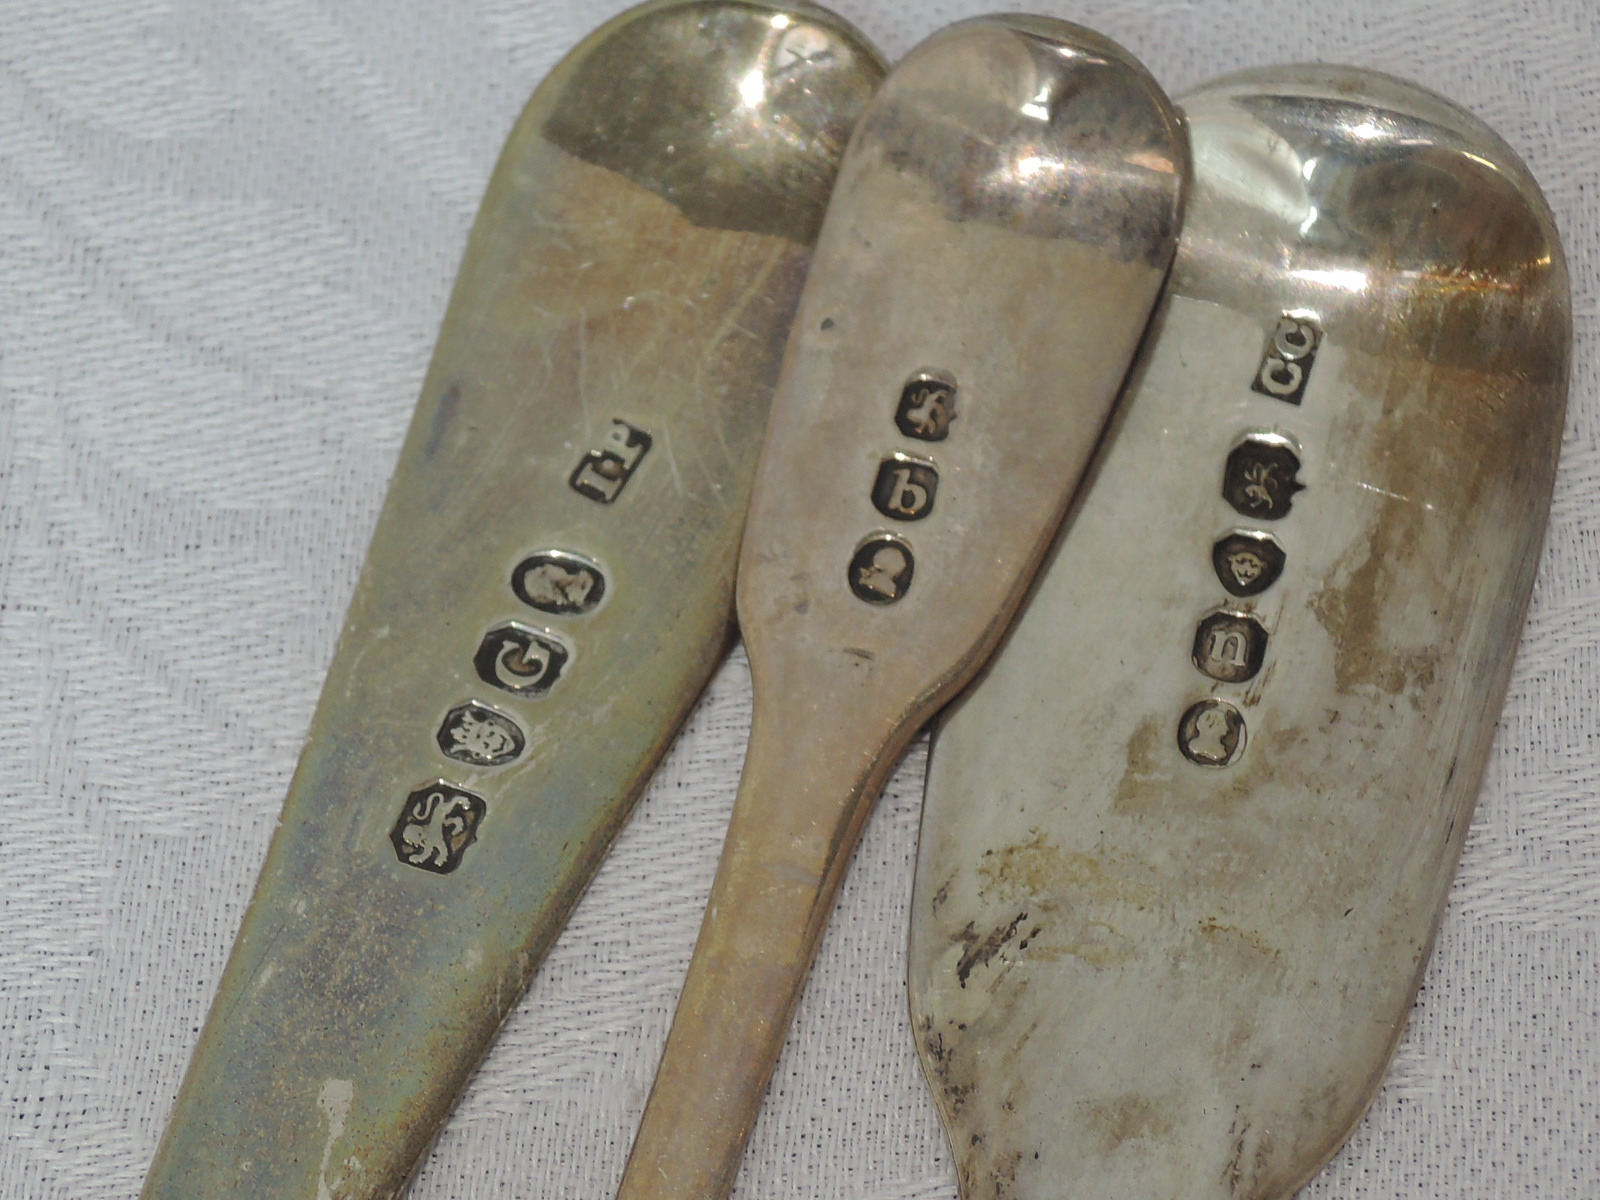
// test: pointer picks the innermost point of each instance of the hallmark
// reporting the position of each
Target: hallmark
(927, 406)
(881, 569)
(1260, 480)
(436, 825)
(603, 473)
(1291, 350)
(905, 488)
(523, 661)
(1230, 646)
(559, 583)
(1248, 564)
(1212, 733)
(477, 734)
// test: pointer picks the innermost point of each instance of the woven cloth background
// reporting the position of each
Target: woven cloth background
(227, 233)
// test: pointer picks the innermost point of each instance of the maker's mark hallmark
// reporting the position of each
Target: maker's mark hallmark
(522, 661)
(436, 825)
(1247, 564)
(477, 734)
(927, 406)
(1212, 733)
(881, 569)
(1230, 646)
(559, 583)
(1291, 350)
(603, 473)
(905, 488)
(1261, 477)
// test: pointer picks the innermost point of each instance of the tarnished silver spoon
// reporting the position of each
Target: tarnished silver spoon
(548, 590)
(1003, 221)
(1186, 846)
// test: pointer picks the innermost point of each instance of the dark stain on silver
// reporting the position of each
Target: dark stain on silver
(981, 950)
(442, 416)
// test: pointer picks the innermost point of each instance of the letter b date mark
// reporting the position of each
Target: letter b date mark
(905, 488)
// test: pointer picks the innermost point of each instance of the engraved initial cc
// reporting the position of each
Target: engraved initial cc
(1286, 365)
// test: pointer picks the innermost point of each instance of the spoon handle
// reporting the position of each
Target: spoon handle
(1167, 928)
(549, 588)
(1002, 224)
(795, 824)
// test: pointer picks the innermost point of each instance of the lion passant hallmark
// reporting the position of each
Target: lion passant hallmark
(436, 826)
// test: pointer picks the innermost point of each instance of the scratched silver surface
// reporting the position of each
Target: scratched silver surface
(599, 389)
(229, 230)
(1003, 223)
(1184, 852)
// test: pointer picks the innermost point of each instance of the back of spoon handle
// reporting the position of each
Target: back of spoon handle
(796, 821)
(964, 330)
(549, 588)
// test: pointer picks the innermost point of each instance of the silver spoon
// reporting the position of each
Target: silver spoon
(1185, 848)
(548, 590)
(1003, 221)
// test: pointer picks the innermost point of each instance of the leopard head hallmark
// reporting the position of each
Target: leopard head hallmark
(1247, 563)
(477, 734)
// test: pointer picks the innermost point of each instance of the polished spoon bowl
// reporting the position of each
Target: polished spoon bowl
(1185, 848)
(1004, 218)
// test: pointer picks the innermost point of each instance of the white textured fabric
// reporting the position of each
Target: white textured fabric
(227, 233)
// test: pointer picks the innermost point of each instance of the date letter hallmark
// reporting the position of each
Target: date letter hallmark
(436, 826)
(1261, 477)
(477, 734)
(905, 488)
(522, 661)
(603, 473)
(1230, 646)
(1212, 733)
(1286, 366)
(927, 406)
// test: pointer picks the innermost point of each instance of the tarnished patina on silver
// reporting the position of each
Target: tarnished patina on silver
(1004, 219)
(1169, 922)
(549, 588)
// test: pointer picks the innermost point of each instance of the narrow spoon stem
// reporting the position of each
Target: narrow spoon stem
(794, 827)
